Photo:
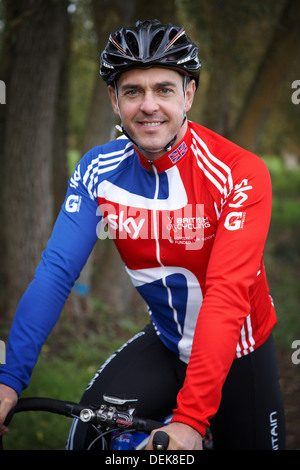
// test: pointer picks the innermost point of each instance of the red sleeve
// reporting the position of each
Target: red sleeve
(232, 269)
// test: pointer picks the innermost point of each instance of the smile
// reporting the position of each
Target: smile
(154, 123)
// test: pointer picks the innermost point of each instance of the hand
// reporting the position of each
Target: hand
(8, 399)
(181, 437)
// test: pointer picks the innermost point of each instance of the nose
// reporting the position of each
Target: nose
(149, 104)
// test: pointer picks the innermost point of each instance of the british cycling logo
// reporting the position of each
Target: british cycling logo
(182, 226)
(2, 92)
(296, 94)
(296, 354)
(2, 352)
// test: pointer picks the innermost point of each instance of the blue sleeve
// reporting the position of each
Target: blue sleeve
(68, 248)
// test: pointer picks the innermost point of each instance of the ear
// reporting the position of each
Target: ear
(113, 99)
(190, 93)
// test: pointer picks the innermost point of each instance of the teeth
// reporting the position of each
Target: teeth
(151, 123)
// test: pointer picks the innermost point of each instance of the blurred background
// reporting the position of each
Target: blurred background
(56, 108)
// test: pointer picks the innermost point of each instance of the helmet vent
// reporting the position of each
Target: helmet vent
(155, 43)
(133, 44)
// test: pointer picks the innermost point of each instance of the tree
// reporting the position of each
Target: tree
(61, 124)
(34, 38)
(248, 50)
(275, 63)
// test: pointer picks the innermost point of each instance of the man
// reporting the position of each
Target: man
(189, 212)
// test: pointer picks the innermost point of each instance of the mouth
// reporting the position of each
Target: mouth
(151, 123)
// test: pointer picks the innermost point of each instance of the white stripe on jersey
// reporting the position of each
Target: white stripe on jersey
(108, 162)
(177, 198)
(246, 341)
(214, 169)
(140, 277)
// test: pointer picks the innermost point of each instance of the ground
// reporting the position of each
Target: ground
(290, 382)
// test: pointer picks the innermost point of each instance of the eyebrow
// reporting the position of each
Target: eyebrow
(130, 86)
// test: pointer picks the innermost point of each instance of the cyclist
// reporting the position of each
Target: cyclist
(189, 212)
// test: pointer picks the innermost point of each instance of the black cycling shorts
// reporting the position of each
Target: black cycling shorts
(250, 415)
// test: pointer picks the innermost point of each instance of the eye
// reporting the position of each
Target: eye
(131, 92)
(165, 91)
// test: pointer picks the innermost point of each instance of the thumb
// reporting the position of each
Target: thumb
(8, 399)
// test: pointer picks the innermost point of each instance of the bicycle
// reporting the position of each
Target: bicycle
(114, 418)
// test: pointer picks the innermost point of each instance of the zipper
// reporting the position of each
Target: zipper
(158, 258)
(153, 170)
(151, 166)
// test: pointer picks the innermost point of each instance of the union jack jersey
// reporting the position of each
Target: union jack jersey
(190, 228)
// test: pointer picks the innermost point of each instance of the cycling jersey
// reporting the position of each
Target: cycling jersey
(190, 228)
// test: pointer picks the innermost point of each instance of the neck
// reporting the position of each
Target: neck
(168, 159)
(155, 155)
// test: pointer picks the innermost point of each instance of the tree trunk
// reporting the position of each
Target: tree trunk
(36, 50)
(270, 75)
(60, 133)
(5, 68)
(221, 22)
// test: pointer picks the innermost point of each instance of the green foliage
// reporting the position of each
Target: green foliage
(282, 254)
(55, 378)
(72, 160)
(66, 365)
(83, 64)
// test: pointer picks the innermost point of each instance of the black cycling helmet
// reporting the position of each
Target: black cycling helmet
(149, 43)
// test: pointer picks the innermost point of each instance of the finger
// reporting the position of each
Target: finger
(149, 444)
(3, 430)
(5, 406)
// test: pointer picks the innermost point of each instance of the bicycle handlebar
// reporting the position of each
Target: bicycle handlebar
(50, 405)
(107, 415)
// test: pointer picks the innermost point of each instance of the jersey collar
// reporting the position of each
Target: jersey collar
(170, 159)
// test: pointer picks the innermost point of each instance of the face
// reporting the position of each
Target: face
(151, 104)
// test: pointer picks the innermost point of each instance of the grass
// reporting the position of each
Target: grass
(65, 367)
